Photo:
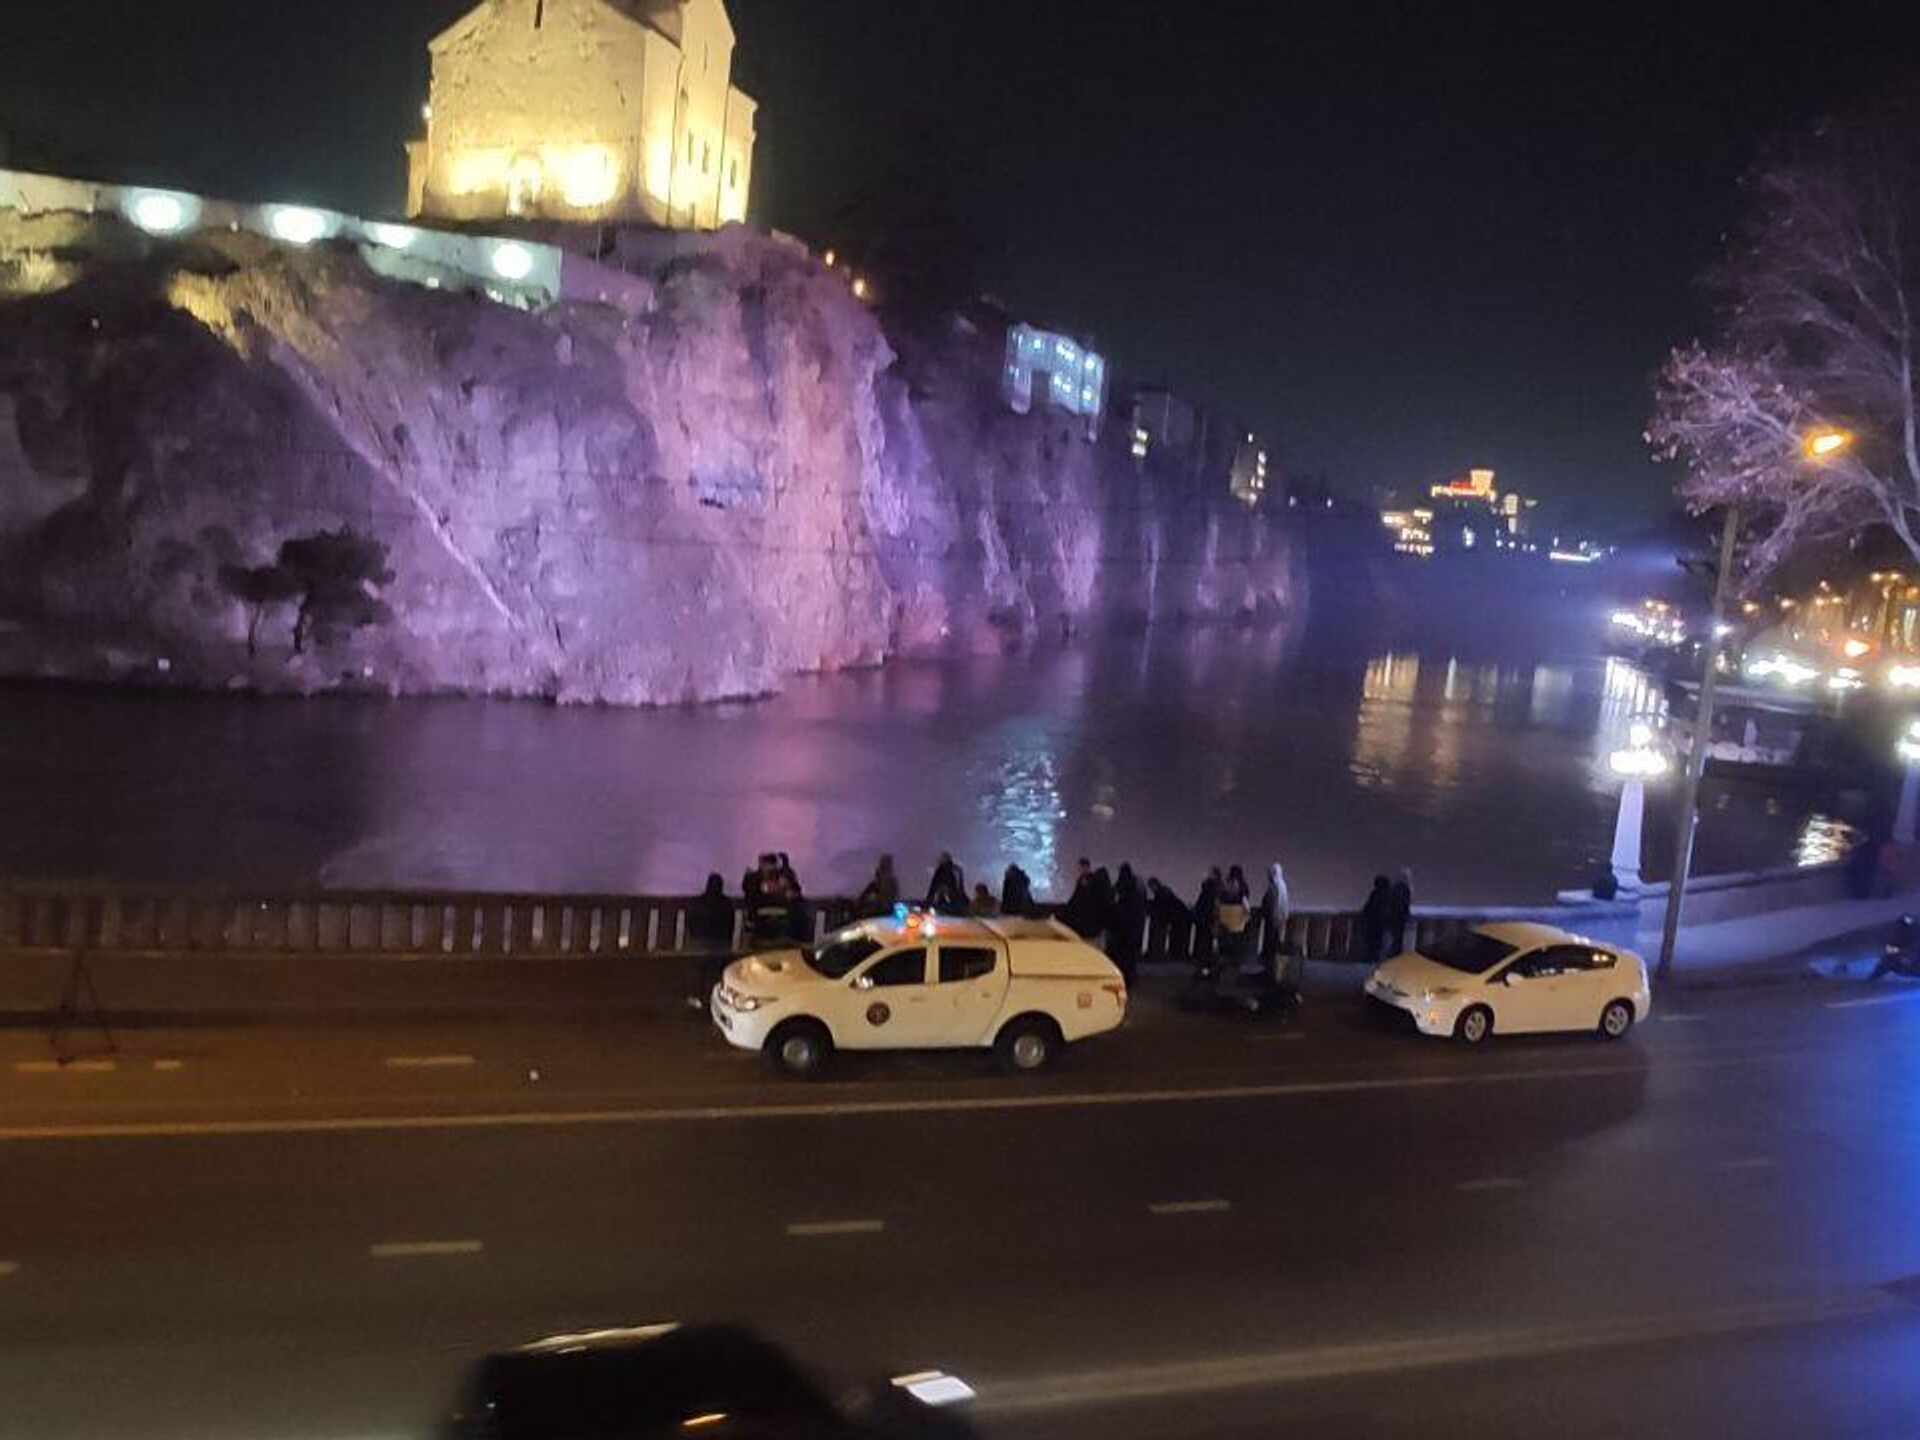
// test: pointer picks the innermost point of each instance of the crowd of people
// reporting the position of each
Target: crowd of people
(1132, 922)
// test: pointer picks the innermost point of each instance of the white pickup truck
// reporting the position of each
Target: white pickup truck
(922, 982)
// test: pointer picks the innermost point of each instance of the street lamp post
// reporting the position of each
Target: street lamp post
(1909, 751)
(1818, 446)
(1637, 764)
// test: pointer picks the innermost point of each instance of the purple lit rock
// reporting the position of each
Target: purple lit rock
(723, 478)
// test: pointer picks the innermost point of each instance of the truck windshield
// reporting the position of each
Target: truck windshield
(839, 953)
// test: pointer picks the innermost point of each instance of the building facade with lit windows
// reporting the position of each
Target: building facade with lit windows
(588, 111)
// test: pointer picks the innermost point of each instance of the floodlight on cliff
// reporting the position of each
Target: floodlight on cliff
(161, 212)
(512, 261)
(390, 236)
(297, 224)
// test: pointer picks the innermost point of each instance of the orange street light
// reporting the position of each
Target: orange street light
(1824, 444)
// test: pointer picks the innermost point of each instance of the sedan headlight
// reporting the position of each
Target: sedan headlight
(1443, 992)
(751, 1002)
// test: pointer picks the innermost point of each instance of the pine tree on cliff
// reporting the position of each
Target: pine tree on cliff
(331, 575)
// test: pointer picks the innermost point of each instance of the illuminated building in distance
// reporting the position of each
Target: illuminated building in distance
(586, 111)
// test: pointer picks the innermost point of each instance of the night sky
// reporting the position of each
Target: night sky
(1402, 238)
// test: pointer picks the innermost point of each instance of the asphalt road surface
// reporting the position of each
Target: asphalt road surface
(1199, 1227)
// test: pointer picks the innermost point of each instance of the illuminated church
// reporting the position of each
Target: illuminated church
(585, 110)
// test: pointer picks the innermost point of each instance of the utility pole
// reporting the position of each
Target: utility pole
(1689, 819)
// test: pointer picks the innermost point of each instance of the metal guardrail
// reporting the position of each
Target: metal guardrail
(449, 925)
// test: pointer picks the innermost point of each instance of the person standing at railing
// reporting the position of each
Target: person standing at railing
(882, 892)
(1374, 917)
(947, 894)
(1399, 912)
(1129, 928)
(1276, 909)
(1016, 892)
(710, 936)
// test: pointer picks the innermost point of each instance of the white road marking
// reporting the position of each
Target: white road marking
(9, 1267)
(1190, 1207)
(836, 1227)
(1492, 1182)
(1388, 1357)
(427, 1062)
(1750, 1162)
(73, 1067)
(169, 1065)
(1873, 1000)
(1671, 1018)
(808, 1110)
(416, 1249)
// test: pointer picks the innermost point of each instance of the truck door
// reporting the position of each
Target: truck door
(893, 1005)
(970, 989)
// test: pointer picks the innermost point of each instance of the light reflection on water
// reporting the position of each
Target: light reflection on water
(1488, 777)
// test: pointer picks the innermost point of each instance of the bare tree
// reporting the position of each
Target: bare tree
(1819, 302)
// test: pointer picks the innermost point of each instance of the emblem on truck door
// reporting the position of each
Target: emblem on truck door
(878, 1014)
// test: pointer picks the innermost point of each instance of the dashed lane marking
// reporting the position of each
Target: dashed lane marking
(1749, 1162)
(1491, 1182)
(424, 1249)
(1190, 1207)
(1680, 1018)
(1873, 1000)
(427, 1062)
(169, 1066)
(807, 1228)
(70, 1067)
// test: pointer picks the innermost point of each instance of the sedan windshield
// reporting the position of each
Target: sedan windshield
(841, 952)
(1469, 951)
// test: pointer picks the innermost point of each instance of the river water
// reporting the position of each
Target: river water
(1482, 766)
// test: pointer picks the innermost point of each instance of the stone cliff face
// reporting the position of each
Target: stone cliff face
(720, 478)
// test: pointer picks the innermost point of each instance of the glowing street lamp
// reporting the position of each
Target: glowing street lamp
(1638, 763)
(1825, 444)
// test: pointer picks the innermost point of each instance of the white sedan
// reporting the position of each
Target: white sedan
(1514, 979)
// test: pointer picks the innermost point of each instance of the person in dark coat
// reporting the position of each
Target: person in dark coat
(1082, 910)
(799, 914)
(1206, 914)
(1129, 928)
(984, 906)
(1234, 917)
(1374, 915)
(1171, 922)
(710, 936)
(947, 894)
(1103, 901)
(1399, 912)
(882, 892)
(1016, 892)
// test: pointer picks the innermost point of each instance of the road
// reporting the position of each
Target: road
(1198, 1227)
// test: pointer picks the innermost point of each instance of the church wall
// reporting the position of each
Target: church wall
(545, 116)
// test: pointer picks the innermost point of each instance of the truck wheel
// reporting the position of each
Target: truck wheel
(1028, 1044)
(798, 1048)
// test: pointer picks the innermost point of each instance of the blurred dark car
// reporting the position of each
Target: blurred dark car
(709, 1382)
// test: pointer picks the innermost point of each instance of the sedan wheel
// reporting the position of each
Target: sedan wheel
(1474, 1025)
(1616, 1020)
